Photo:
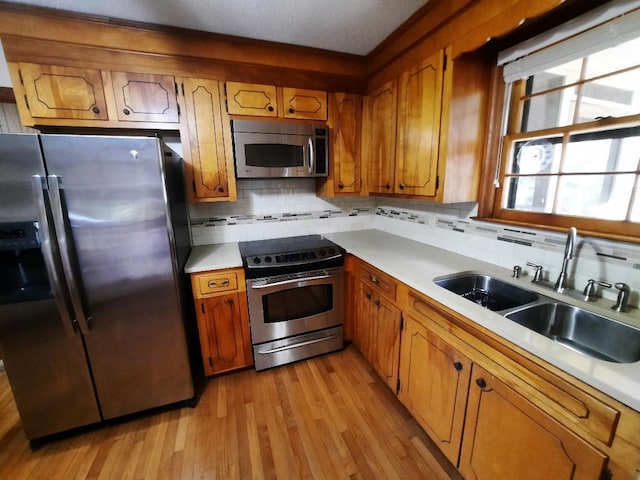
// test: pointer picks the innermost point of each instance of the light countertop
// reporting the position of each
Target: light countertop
(417, 264)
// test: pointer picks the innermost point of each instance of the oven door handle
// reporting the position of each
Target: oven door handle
(293, 280)
(296, 345)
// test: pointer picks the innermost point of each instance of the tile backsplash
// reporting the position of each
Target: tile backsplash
(289, 207)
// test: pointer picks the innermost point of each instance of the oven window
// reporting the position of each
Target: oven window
(274, 155)
(297, 303)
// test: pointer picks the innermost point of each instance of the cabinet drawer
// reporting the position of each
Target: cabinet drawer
(210, 284)
(380, 282)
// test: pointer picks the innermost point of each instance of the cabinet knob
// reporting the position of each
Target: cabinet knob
(230, 301)
(368, 295)
(221, 189)
(292, 110)
(374, 279)
(457, 366)
(340, 185)
(95, 110)
(401, 186)
(377, 303)
(270, 108)
(388, 186)
(126, 111)
(481, 383)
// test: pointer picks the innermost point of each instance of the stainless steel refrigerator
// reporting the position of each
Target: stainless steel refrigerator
(93, 239)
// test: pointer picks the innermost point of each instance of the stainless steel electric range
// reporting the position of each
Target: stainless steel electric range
(295, 290)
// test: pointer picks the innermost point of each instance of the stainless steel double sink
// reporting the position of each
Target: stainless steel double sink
(581, 330)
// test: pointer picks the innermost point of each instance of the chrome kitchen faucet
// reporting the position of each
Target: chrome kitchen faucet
(569, 252)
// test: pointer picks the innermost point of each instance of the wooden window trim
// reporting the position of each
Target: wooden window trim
(489, 204)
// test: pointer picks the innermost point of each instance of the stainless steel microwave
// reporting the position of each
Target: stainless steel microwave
(265, 149)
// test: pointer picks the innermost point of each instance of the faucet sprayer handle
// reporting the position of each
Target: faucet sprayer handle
(589, 291)
(623, 298)
(537, 276)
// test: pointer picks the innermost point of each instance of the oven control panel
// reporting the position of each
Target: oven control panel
(295, 258)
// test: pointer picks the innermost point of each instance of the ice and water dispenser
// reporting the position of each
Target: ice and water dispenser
(23, 274)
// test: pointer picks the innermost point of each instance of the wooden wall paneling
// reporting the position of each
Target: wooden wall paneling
(428, 19)
(48, 24)
(10, 120)
(56, 53)
(485, 18)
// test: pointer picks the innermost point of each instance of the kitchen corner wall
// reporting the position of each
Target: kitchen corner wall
(289, 207)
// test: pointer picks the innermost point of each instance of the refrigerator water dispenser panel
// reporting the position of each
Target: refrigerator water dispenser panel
(23, 274)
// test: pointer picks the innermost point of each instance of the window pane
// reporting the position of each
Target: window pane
(555, 77)
(613, 59)
(536, 156)
(588, 153)
(614, 96)
(530, 194)
(554, 109)
(598, 196)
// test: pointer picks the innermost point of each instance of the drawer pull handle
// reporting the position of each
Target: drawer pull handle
(374, 279)
(215, 284)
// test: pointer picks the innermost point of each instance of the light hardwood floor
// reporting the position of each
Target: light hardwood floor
(329, 417)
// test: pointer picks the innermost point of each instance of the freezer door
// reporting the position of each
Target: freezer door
(111, 191)
(43, 355)
(47, 369)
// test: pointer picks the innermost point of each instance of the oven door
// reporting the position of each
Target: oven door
(286, 305)
(273, 155)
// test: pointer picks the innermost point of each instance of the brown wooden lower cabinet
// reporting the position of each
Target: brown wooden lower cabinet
(222, 338)
(223, 320)
(508, 437)
(434, 385)
(377, 333)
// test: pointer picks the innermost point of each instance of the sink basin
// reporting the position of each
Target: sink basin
(487, 291)
(582, 331)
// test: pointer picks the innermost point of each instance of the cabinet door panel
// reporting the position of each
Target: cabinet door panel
(221, 333)
(419, 111)
(362, 326)
(386, 319)
(506, 436)
(435, 381)
(210, 152)
(304, 104)
(145, 98)
(345, 122)
(64, 92)
(251, 99)
(380, 143)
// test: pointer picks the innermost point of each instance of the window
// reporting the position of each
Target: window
(570, 153)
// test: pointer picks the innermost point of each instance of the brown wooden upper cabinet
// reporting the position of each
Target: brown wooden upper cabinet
(56, 92)
(379, 129)
(145, 98)
(206, 140)
(345, 131)
(423, 132)
(71, 96)
(275, 102)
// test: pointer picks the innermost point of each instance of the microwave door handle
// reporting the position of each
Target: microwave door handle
(311, 156)
(46, 238)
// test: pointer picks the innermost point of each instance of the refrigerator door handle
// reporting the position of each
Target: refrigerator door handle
(57, 283)
(64, 243)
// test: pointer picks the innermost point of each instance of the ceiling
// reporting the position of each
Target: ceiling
(350, 26)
